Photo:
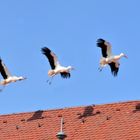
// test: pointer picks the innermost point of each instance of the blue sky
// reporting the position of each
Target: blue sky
(69, 28)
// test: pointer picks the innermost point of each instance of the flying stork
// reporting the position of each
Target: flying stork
(8, 78)
(56, 68)
(108, 57)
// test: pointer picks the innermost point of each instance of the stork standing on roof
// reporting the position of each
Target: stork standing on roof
(56, 68)
(108, 57)
(8, 78)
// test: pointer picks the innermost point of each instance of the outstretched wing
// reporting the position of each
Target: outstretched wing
(109, 49)
(114, 68)
(51, 57)
(3, 70)
(65, 74)
(105, 47)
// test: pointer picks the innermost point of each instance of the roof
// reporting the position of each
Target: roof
(116, 121)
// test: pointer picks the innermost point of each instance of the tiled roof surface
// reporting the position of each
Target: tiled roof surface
(117, 121)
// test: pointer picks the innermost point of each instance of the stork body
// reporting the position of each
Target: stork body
(11, 79)
(108, 58)
(7, 77)
(56, 68)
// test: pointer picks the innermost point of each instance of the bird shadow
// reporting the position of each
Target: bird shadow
(36, 115)
(88, 111)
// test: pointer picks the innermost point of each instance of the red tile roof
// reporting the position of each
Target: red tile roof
(116, 121)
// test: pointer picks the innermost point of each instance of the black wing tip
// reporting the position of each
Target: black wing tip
(65, 75)
(100, 39)
(100, 42)
(45, 50)
(115, 73)
(114, 69)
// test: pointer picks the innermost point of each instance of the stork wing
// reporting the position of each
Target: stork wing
(105, 47)
(51, 57)
(109, 49)
(3, 70)
(100, 43)
(65, 74)
(114, 68)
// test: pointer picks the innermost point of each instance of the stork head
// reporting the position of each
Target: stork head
(51, 72)
(70, 68)
(123, 55)
(21, 78)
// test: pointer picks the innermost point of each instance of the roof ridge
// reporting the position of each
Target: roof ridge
(104, 104)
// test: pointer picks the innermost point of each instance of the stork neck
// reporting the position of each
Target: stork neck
(122, 55)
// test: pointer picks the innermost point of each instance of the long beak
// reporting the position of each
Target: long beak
(126, 56)
(73, 68)
(24, 78)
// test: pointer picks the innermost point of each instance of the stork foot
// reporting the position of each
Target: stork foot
(49, 81)
(100, 69)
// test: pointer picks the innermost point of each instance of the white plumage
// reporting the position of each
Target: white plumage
(8, 78)
(56, 67)
(108, 57)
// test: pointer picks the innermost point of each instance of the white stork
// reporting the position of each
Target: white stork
(56, 68)
(108, 57)
(8, 78)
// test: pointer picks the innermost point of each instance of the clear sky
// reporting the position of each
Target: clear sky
(70, 28)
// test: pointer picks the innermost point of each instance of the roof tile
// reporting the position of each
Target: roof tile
(116, 121)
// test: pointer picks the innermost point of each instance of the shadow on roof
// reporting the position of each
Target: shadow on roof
(36, 115)
(88, 111)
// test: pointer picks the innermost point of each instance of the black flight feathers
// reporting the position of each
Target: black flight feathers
(52, 60)
(3, 70)
(114, 69)
(103, 46)
(65, 75)
(47, 52)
